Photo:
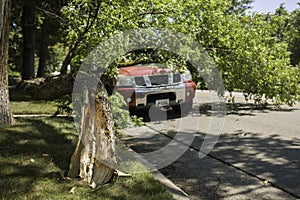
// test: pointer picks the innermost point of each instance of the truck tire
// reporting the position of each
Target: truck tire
(183, 108)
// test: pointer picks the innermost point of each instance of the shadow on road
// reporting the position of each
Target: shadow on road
(234, 166)
(243, 109)
(238, 109)
(158, 115)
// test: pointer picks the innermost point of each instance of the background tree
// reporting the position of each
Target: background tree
(49, 38)
(293, 37)
(280, 22)
(240, 7)
(28, 30)
(15, 39)
(50, 35)
(43, 49)
(5, 113)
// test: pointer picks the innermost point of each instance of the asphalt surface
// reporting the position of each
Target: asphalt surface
(257, 155)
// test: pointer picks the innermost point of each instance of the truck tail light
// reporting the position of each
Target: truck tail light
(190, 88)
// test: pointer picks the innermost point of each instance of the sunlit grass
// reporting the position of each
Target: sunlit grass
(23, 104)
(35, 153)
(33, 107)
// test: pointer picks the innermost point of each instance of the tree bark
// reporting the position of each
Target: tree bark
(50, 88)
(43, 51)
(5, 112)
(68, 59)
(95, 159)
(28, 29)
(47, 88)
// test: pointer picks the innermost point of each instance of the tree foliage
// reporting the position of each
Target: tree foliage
(250, 58)
(293, 36)
(240, 6)
(251, 51)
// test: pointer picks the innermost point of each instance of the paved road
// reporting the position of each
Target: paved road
(256, 157)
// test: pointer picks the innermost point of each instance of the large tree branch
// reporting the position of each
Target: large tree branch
(48, 88)
(90, 21)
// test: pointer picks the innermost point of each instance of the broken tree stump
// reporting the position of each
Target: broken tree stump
(95, 159)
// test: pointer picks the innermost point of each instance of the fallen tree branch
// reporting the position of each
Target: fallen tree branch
(48, 88)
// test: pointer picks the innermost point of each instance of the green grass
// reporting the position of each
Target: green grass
(22, 104)
(35, 152)
(33, 107)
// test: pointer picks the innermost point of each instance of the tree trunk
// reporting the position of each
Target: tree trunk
(43, 51)
(47, 88)
(50, 88)
(95, 159)
(28, 29)
(5, 113)
(68, 59)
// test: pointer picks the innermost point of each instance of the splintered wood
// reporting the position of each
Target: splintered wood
(95, 159)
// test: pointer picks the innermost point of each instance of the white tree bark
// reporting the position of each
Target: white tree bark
(95, 159)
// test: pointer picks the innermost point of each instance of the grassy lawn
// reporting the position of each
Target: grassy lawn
(34, 154)
(22, 104)
(33, 107)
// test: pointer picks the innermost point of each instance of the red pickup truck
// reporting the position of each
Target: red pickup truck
(143, 86)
